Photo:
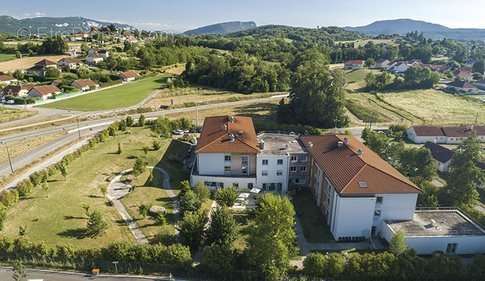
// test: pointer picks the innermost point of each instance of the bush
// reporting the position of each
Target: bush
(24, 188)
(226, 196)
(96, 224)
(202, 191)
(9, 198)
(189, 202)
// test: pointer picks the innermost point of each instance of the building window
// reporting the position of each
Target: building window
(293, 158)
(265, 162)
(250, 185)
(279, 187)
(292, 169)
(227, 158)
(265, 186)
(279, 173)
(280, 161)
(264, 173)
(227, 168)
(303, 158)
(244, 164)
(379, 200)
(377, 213)
(303, 169)
(451, 248)
(235, 185)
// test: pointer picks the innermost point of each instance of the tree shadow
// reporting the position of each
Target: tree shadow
(78, 233)
(74, 218)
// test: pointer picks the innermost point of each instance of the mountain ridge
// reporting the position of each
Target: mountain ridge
(222, 28)
(429, 30)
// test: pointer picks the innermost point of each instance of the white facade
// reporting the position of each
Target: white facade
(427, 245)
(272, 172)
(411, 133)
(443, 167)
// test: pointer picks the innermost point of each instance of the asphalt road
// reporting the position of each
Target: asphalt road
(6, 275)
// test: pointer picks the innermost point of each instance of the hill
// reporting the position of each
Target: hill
(429, 30)
(51, 25)
(222, 28)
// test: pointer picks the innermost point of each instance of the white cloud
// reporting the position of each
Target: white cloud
(34, 15)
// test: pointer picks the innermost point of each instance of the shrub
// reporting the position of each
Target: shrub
(202, 191)
(24, 188)
(9, 198)
(96, 224)
(226, 196)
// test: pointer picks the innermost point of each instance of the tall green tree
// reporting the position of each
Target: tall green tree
(317, 97)
(19, 272)
(192, 228)
(223, 228)
(465, 175)
(271, 242)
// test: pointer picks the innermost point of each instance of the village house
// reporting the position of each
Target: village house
(96, 56)
(444, 135)
(44, 92)
(16, 90)
(6, 79)
(129, 75)
(85, 85)
(382, 64)
(464, 73)
(41, 67)
(462, 86)
(354, 64)
(441, 154)
(68, 64)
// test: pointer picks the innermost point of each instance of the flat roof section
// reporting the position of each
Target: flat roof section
(438, 223)
(279, 144)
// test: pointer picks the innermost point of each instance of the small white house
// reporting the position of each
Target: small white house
(354, 64)
(129, 76)
(44, 92)
(85, 85)
(6, 80)
(424, 134)
(441, 154)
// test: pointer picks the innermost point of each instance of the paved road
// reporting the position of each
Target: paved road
(6, 275)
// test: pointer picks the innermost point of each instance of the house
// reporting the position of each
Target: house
(44, 92)
(16, 90)
(355, 189)
(69, 64)
(96, 56)
(424, 134)
(361, 197)
(40, 68)
(103, 53)
(6, 79)
(382, 64)
(85, 85)
(129, 75)
(464, 73)
(441, 154)
(354, 64)
(462, 86)
(230, 154)
(398, 67)
(444, 135)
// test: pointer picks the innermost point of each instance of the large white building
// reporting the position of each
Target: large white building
(230, 154)
(355, 189)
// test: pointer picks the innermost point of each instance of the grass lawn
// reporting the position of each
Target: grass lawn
(314, 227)
(7, 57)
(356, 78)
(56, 217)
(8, 114)
(118, 97)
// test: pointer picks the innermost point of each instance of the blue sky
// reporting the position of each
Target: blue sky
(179, 15)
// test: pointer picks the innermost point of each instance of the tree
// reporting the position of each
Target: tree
(156, 145)
(141, 120)
(398, 245)
(316, 98)
(103, 190)
(63, 169)
(271, 241)
(53, 46)
(143, 210)
(218, 261)
(191, 229)
(19, 272)
(202, 191)
(318, 265)
(189, 202)
(226, 196)
(146, 149)
(96, 224)
(418, 164)
(129, 121)
(223, 228)
(52, 73)
(465, 175)
(139, 167)
(370, 62)
(3, 215)
(119, 151)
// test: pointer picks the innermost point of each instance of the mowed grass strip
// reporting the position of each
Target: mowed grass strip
(7, 57)
(56, 216)
(118, 97)
(8, 114)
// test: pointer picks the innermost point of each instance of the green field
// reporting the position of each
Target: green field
(117, 97)
(7, 57)
(8, 114)
(56, 216)
(416, 107)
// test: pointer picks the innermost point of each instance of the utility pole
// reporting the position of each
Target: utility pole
(78, 129)
(9, 158)
(197, 116)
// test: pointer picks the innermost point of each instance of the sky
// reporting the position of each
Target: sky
(180, 15)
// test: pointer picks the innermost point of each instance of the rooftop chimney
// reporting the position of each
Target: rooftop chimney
(359, 152)
(310, 144)
(232, 138)
(261, 144)
(340, 144)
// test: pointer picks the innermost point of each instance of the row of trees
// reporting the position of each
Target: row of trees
(414, 78)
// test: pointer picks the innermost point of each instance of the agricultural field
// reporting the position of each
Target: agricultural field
(356, 78)
(9, 114)
(25, 63)
(190, 96)
(117, 97)
(56, 216)
(6, 57)
(362, 42)
(416, 107)
(21, 147)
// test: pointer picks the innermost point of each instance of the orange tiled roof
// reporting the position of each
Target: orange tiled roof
(224, 134)
(354, 165)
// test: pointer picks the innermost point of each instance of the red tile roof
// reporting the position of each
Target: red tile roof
(81, 83)
(355, 62)
(352, 165)
(225, 134)
(5, 77)
(428, 131)
(45, 89)
(129, 74)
